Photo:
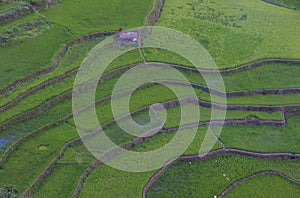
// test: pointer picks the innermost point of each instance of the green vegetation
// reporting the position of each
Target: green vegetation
(269, 186)
(269, 76)
(206, 178)
(77, 154)
(71, 19)
(132, 183)
(161, 55)
(8, 191)
(77, 157)
(114, 183)
(264, 77)
(28, 161)
(82, 17)
(58, 186)
(9, 5)
(292, 4)
(145, 97)
(31, 55)
(33, 101)
(174, 115)
(267, 99)
(162, 139)
(51, 91)
(264, 138)
(236, 32)
(71, 60)
(15, 131)
(128, 58)
(24, 31)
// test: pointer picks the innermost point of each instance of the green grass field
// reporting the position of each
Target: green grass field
(18, 130)
(264, 138)
(160, 140)
(134, 182)
(174, 115)
(29, 160)
(9, 5)
(90, 16)
(34, 101)
(56, 186)
(205, 178)
(233, 32)
(270, 186)
(269, 76)
(267, 100)
(71, 60)
(69, 21)
(114, 183)
(31, 55)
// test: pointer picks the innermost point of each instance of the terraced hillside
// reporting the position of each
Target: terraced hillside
(255, 46)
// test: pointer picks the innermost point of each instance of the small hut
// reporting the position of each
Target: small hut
(129, 36)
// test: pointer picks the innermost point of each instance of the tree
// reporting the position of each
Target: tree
(8, 191)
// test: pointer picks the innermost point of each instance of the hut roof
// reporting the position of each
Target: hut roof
(129, 35)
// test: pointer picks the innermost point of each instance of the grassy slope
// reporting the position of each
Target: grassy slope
(118, 183)
(264, 138)
(56, 112)
(234, 166)
(205, 178)
(269, 186)
(70, 61)
(174, 115)
(268, 99)
(71, 21)
(126, 179)
(60, 186)
(264, 77)
(82, 17)
(9, 5)
(96, 186)
(28, 160)
(82, 157)
(114, 183)
(30, 56)
(236, 32)
(35, 100)
(270, 76)
(20, 129)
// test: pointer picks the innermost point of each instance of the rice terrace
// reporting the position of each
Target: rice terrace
(217, 82)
